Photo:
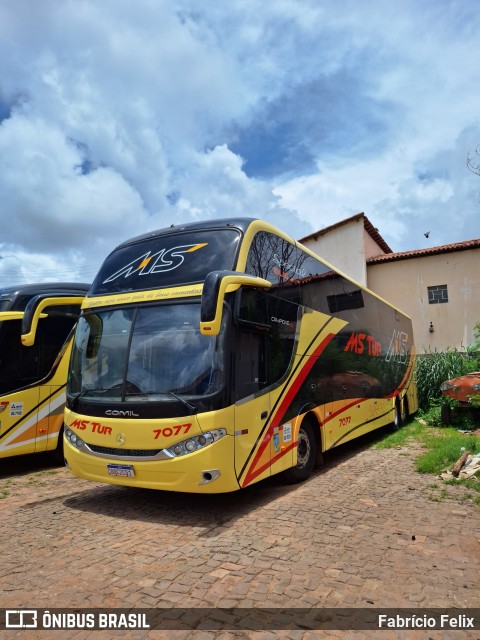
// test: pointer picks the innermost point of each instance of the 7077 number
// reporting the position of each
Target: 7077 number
(167, 432)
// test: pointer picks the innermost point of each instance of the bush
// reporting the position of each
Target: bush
(433, 413)
(434, 368)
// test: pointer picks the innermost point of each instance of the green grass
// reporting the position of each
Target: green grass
(441, 448)
(411, 431)
(444, 448)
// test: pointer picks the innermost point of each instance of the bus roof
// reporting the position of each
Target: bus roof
(203, 225)
(16, 297)
(44, 287)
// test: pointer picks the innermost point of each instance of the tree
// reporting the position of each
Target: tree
(473, 161)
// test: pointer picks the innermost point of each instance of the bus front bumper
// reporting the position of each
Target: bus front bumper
(210, 470)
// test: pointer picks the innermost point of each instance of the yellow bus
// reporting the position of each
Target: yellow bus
(36, 323)
(212, 355)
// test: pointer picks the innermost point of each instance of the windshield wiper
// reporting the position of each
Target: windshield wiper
(73, 397)
(190, 406)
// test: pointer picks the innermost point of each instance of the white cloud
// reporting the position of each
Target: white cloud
(119, 118)
(44, 188)
(403, 194)
(336, 193)
(216, 186)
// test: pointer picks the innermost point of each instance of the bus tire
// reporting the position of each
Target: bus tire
(405, 411)
(306, 455)
(397, 415)
(57, 453)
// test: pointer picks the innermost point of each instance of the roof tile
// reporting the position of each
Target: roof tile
(418, 253)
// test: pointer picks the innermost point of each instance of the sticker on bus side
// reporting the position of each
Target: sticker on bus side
(276, 442)
(287, 432)
(16, 409)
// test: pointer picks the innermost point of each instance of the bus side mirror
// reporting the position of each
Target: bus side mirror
(33, 312)
(215, 286)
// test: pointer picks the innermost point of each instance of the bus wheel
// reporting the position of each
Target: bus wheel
(306, 455)
(397, 415)
(57, 453)
(405, 411)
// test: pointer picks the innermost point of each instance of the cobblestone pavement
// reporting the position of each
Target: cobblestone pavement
(365, 531)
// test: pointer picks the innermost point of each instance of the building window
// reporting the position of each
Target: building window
(438, 294)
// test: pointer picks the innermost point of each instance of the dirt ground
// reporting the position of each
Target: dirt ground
(365, 532)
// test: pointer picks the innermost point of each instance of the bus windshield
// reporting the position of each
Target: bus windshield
(145, 353)
(21, 366)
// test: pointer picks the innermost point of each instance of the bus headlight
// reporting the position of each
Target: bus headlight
(72, 437)
(195, 443)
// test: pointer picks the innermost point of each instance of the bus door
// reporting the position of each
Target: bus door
(252, 407)
(264, 352)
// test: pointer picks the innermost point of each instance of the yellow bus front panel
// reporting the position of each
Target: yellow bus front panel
(186, 474)
(106, 456)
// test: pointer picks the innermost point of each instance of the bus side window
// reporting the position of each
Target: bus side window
(266, 341)
(51, 335)
(281, 337)
(19, 365)
(22, 366)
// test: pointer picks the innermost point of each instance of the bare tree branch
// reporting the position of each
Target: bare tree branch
(473, 161)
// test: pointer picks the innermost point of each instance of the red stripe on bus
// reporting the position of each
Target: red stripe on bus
(265, 466)
(344, 408)
(252, 473)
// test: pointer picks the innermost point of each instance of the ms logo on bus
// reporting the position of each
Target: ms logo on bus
(161, 261)
(398, 350)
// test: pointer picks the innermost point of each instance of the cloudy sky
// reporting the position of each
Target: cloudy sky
(119, 117)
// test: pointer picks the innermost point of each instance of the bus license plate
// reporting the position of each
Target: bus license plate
(125, 470)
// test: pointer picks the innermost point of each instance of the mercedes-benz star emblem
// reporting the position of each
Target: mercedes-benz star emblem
(121, 439)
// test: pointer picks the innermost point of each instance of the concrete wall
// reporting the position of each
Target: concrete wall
(372, 249)
(344, 248)
(404, 283)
